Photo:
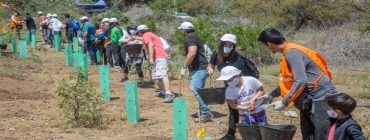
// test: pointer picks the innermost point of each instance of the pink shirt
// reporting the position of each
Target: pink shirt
(42, 18)
(158, 47)
(331, 132)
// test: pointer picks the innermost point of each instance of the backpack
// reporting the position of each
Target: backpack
(166, 46)
(251, 68)
(208, 52)
(75, 26)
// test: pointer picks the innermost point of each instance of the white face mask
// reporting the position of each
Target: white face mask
(332, 113)
(227, 49)
(133, 31)
(235, 81)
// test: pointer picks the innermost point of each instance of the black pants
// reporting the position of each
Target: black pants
(138, 61)
(123, 55)
(113, 54)
(69, 36)
(103, 54)
(233, 120)
(313, 122)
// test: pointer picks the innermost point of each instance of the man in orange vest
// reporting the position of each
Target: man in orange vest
(305, 80)
(15, 23)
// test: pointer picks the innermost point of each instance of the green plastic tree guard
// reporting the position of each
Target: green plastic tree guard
(34, 41)
(98, 56)
(1, 51)
(3, 40)
(180, 123)
(27, 37)
(104, 82)
(57, 43)
(77, 59)
(23, 49)
(206, 138)
(132, 102)
(69, 57)
(14, 46)
(83, 65)
(75, 44)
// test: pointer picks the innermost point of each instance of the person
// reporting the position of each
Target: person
(88, 37)
(304, 79)
(197, 64)
(131, 37)
(68, 27)
(242, 94)
(341, 125)
(44, 27)
(50, 29)
(113, 45)
(102, 37)
(31, 26)
(158, 59)
(56, 25)
(226, 55)
(15, 24)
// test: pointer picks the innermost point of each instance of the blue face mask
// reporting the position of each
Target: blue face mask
(227, 49)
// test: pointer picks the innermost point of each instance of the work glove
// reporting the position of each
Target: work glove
(267, 99)
(183, 71)
(278, 105)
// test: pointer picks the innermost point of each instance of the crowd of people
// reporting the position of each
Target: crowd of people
(304, 78)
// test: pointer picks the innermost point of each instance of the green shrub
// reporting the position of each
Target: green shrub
(80, 102)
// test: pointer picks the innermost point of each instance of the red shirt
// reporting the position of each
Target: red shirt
(158, 46)
(42, 18)
(331, 132)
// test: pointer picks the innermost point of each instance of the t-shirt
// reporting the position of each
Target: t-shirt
(158, 46)
(55, 24)
(30, 23)
(90, 29)
(68, 28)
(244, 94)
(200, 61)
(240, 62)
(42, 18)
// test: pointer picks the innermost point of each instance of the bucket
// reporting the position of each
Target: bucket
(3, 46)
(134, 49)
(249, 131)
(212, 95)
(277, 132)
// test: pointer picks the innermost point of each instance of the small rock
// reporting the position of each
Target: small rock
(12, 129)
(290, 113)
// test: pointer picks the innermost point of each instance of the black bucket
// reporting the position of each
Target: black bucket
(277, 132)
(212, 95)
(249, 131)
(134, 49)
(3, 46)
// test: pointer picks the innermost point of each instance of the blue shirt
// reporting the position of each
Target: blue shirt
(90, 29)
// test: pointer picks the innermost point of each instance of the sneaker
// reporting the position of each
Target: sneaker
(168, 98)
(228, 137)
(195, 115)
(141, 84)
(204, 117)
(159, 95)
(122, 80)
(117, 68)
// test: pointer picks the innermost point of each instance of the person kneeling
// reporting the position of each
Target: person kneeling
(242, 94)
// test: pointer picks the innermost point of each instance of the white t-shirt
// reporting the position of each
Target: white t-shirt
(56, 24)
(244, 94)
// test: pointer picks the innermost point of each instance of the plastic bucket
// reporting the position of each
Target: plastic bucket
(212, 95)
(134, 49)
(277, 132)
(249, 131)
(3, 46)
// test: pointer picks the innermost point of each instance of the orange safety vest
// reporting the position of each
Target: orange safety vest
(286, 78)
(12, 23)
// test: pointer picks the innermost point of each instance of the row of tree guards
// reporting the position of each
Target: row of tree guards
(75, 57)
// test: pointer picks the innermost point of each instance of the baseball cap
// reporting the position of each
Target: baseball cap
(48, 15)
(186, 26)
(84, 18)
(54, 15)
(39, 12)
(113, 20)
(229, 37)
(105, 20)
(142, 27)
(228, 72)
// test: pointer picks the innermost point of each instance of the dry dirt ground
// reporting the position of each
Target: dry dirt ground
(29, 106)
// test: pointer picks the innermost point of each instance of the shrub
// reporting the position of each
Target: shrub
(80, 102)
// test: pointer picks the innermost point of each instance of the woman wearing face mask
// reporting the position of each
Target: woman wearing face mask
(226, 55)
(131, 37)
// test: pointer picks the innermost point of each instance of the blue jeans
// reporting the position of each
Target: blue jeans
(89, 47)
(32, 32)
(197, 81)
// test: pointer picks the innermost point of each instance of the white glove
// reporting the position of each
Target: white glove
(183, 71)
(267, 99)
(278, 105)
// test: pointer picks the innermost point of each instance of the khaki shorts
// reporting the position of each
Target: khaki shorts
(160, 68)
